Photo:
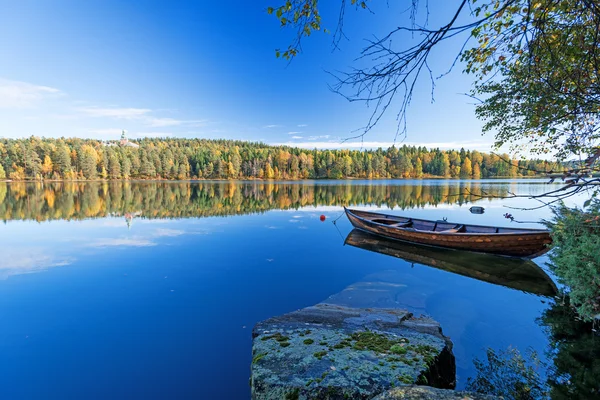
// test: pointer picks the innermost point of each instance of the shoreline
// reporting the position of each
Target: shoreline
(437, 178)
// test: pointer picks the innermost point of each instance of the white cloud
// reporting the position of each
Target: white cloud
(318, 137)
(142, 115)
(26, 261)
(118, 113)
(198, 123)
(165, 232)
(122, 242)
(15, 94)
(153, 134)
(296, 137)
(272, 126)
(293, 133)
(110, 133)
(302, 125)
(335, 144)
(162, 122)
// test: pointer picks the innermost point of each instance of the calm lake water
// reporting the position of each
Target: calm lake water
(151, 290)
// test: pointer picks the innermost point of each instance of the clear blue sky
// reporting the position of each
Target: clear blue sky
(206, 69)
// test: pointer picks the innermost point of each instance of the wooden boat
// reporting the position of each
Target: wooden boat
(512, 242)
(513, 273)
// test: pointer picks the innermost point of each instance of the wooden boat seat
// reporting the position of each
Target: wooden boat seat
(456, 229)
(403, 224)
(392, 222)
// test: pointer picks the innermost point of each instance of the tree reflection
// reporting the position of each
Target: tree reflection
(510, 375)
(78, 200)
(575, 348)
(574, 363)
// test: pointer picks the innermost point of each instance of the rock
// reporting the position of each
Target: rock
(429, 393)
(371, 351)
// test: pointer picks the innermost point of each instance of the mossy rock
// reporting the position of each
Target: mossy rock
(336, 352)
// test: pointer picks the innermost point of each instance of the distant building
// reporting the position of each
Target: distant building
(130, 216)
(126, 143)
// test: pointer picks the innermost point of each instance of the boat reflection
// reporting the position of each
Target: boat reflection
(518, 274)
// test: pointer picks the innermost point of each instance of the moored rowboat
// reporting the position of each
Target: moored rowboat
(513, 242)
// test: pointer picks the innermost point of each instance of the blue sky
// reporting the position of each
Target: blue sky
(207, 69)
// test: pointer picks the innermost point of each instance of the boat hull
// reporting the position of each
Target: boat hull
(526, 244)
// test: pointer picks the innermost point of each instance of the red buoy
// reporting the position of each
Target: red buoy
(322, 217)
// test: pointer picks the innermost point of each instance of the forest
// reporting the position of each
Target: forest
(37, 158)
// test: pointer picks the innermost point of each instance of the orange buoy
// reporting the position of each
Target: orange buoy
(322, 217)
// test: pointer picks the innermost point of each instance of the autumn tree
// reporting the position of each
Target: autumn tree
(466, 170)
(89, 158)
(47, 166)
(418, 168)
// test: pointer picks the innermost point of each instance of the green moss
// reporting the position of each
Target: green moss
(323, 343)
(324, 374)
(293, 395)
(425, 349)
(416, 359)
(393, 366)
(368, 340)
(308, 341)
(283, 340)
(276, 336)
(320, 354)
(422, 380)
(381, 363)
(398, 349)
(344, 343)
(258, 357)
(308, 382)
(406, 379)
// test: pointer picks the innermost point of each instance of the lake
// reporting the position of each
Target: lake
(151, 289)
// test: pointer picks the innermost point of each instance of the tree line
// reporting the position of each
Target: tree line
(37, 158)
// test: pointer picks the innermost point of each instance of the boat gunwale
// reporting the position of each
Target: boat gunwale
(522, 231)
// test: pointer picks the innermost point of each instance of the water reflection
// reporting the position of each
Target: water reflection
(517, 274)
(135, 272)
(575, 350)
(76, 201)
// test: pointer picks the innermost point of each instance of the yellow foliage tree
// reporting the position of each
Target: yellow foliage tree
(47, 166)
